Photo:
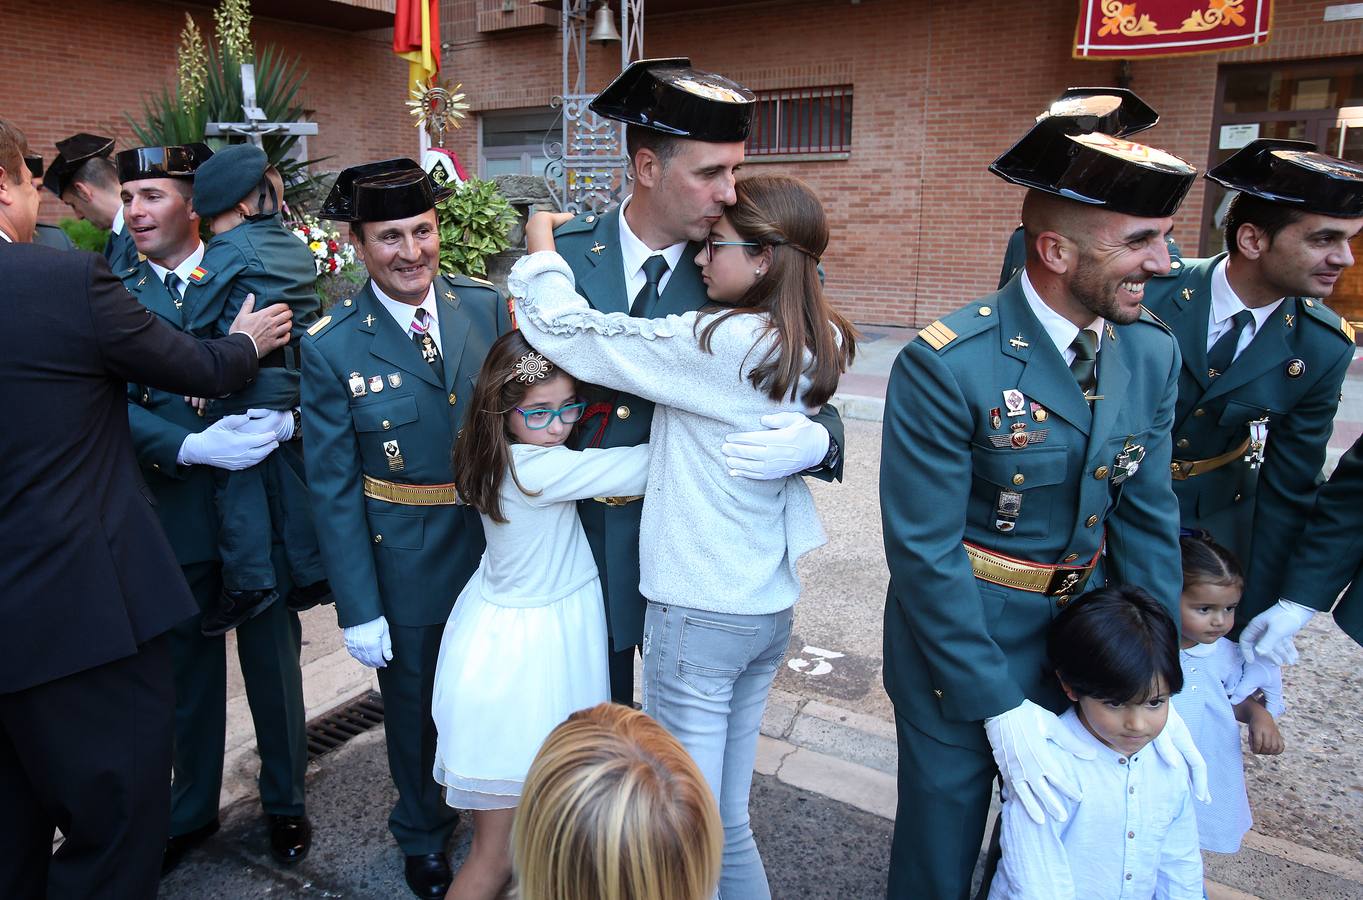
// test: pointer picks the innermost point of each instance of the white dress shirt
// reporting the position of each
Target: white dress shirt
(1132, 837)
(1061, 330)
(117, 226)
(634, 252)
(187, 265)
(404, 313)
(8, 239)
(1225, 303)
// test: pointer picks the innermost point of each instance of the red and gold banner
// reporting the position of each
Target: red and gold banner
(1145, 28)
(416, 38)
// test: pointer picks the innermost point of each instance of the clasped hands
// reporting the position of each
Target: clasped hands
(1029, 745)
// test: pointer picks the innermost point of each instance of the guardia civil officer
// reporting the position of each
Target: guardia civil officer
(90, 582)
(178, 449)
(1025, 442)
(83, 176)
(1263, 360)
(386, 377)
(1326, 559)
(684, 135)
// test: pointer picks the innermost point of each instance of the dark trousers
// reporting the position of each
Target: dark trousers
(944, 794)
(268, 647)
(621, 668)
(421, 821)
(88, 754)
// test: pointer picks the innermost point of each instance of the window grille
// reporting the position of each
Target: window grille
(803, 120)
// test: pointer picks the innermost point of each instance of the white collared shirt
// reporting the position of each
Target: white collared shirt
(1061, 330)
(404, 313)
(186, 266)
(8, 239)
(1132, 837)
(634, 252)
(1226, 303)
(117, 226)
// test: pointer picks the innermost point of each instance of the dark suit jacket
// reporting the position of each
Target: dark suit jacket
(87, 571)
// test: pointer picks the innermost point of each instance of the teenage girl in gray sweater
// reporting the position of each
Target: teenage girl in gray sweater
(718, 553)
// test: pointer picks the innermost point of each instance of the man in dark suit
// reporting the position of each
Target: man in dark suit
(91, 584)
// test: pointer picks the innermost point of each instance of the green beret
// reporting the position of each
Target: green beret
(226, 177)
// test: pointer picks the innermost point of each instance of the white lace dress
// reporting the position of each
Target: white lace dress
(526, 643)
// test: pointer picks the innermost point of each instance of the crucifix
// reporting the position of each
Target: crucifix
(255, 125)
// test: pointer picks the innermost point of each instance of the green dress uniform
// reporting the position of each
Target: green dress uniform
(590, 244)
(1290, 375)
(960, 648)
(120, 250)
(1329, 556)
(381, 428)
(263, 258)
(52, 236)
(268, 645)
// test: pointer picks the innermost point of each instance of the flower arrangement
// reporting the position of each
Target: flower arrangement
(328, 252)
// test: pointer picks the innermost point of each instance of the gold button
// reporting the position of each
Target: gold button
(387, 424)
(1100, 473)
(378, 539)
(453, 399)
(984, 311)
(1237, 498)
(1309, 303)
(1174, 264)
(1182, 442)
(590, 219)
(348, 302)
(156, 466)
(622, 412)
(1018, 478)
(1092, 520)
(1199, 413)
(1062, 601)
(1072, 557)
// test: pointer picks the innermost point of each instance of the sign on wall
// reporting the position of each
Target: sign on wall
(1146, 28)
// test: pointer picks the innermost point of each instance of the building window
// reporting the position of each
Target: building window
(512, 142)
(803, 120)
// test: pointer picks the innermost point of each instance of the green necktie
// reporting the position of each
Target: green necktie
(1085, 365)
(644, 301)
(1222, 353)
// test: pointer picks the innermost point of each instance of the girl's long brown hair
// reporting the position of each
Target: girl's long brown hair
(783, 213)
(482, 453)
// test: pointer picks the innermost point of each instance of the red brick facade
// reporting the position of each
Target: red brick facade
(940, 89)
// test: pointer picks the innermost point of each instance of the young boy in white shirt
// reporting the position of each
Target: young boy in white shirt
(1133, 835)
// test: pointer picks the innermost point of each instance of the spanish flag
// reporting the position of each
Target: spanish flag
(416, 38)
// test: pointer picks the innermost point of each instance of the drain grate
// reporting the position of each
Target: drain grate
(327, 732)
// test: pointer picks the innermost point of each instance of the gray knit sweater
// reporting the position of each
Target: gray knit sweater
(708, 540)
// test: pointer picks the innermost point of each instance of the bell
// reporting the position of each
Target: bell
(604, 31)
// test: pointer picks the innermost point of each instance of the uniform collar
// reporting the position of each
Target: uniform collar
(186, 266)
(1226, 303)
(117, 226)
(403, 313)
(635, 251)
(1061, 330)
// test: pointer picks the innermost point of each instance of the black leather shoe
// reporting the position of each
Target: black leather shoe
(180, 844)
(308, 596)
(235, 607)
(428, 875)
(290, 837)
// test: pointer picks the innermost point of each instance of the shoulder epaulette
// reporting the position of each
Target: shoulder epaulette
(1148, 316)
(937, 335)
(319, 325)
(336, 313)
(585, 222)
(962, 323)
(1326, 316)
(471, 281)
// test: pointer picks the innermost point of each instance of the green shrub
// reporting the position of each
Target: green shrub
(475, 223)
(84, 235)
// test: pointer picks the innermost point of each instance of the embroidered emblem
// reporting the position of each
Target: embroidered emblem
(1296, 368)
(394, 454)
(597, 248)
(369, 320)
(199, 274)
(1019, 439)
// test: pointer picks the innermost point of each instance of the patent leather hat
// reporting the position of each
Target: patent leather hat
(71, 155)
(672, 97)
(177, 161)
(1294, 173)
(381, 192)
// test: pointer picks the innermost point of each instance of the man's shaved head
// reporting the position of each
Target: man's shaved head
(1043, 212)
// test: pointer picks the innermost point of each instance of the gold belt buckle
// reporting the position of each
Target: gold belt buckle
(618, 501)
(1067, 581)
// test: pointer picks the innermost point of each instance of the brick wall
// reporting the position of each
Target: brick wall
(940, 90)
(80, 65)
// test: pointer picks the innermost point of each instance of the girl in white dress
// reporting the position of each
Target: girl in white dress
(1218, 686)
(526, 643)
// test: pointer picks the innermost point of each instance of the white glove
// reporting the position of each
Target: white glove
(278, 421)
(1028, 741)
(1270, 633)
(1175, 746)
(791, 443)
(232, 443)
(370, 643)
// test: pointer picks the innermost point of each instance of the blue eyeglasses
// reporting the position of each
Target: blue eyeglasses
(711, 244)
(535, 419)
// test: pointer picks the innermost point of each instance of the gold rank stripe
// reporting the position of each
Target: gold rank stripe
(937, 335)
(1345, 327)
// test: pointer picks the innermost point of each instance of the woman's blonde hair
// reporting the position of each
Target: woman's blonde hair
(614, 809)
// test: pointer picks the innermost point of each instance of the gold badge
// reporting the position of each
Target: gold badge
(394, 454)
(1296, 368)
(369, 320)
(597, 248)
(319, 325)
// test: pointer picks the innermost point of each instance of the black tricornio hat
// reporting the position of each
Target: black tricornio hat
(670, 96)
(71, 155)
(226, 177)
(1295, 174)
(382, 192)
(1063, 155)
(177, 161)
(1115, 111)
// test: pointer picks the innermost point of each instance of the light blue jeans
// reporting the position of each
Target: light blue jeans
(706, 679)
